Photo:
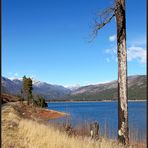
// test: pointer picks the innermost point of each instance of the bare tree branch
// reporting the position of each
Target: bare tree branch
(99, 26)
(103, 18)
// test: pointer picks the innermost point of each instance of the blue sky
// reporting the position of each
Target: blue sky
(49, 40)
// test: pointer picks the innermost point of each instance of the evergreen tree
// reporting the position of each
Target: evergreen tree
(21, 96)
(41, 102)
(24, 89)
(27, 89)
(30, 88)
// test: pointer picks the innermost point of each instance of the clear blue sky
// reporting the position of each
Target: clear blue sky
(49, 40)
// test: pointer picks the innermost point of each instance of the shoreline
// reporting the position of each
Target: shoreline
(33, 112)
(137, 100)
(95, 101)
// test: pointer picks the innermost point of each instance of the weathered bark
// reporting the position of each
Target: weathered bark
(119, 13)
(122, 73)
(94, 130)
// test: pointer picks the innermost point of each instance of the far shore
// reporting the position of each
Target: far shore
(94, 101)
(137, 100)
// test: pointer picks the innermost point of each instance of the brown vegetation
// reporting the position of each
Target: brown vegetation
(37, 113)
(8, 98)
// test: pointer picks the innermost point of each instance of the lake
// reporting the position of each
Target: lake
(106, 114)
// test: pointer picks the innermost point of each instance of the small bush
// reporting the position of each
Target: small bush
(40, 102)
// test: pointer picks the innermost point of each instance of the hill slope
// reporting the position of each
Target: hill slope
(136, 90)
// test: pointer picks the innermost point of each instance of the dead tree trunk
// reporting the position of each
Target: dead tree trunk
(94, 130)
(122, 73)
(105, 17)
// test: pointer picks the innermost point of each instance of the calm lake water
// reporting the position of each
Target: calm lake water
(105, 113)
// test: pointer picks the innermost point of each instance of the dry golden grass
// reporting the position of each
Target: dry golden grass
(18, 132)
(40, 136)
(10, 122)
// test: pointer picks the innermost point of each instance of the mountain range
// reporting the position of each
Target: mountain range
(109, 91)
(106, 91)
(13, 86)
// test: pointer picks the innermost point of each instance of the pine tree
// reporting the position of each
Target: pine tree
(30, 88)
(24, 88)
(21, 96)
(27, 89)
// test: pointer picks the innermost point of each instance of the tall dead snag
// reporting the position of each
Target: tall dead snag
(122, 72)
(119, 12)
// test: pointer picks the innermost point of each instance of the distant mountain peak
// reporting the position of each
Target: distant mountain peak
(73, 87)
(14, 85)
(14, 78)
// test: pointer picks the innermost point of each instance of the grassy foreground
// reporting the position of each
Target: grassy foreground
(21, 132)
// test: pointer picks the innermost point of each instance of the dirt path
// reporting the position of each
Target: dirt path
(10, 122)
(13, 113)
